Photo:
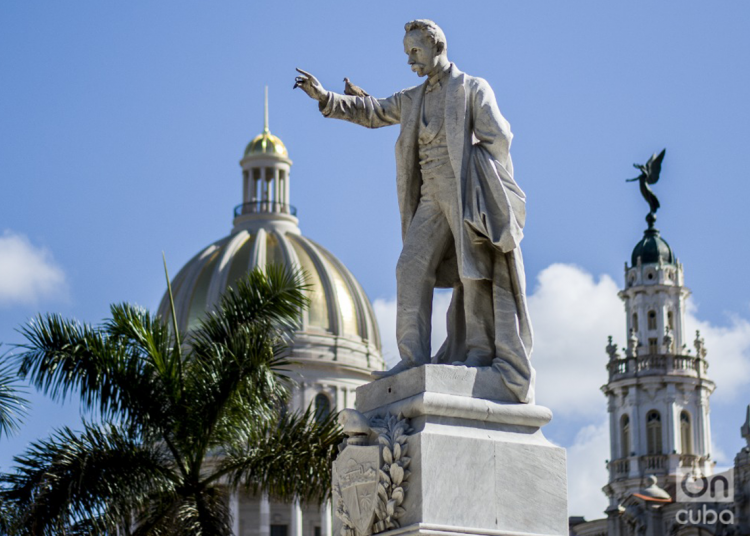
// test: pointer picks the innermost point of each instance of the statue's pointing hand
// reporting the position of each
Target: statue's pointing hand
(311, 86)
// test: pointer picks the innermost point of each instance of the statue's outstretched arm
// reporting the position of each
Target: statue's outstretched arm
(366, 111)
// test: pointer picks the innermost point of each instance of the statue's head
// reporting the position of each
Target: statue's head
(425, 45)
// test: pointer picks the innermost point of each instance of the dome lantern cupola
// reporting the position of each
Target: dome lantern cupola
(265, 179)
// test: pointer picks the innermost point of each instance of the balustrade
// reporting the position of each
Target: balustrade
(264, 207)
(620, 468)
(653, 462)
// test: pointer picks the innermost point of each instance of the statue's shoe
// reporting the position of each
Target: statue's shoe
(400, 367)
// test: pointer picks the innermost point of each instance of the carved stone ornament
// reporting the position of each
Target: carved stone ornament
(355, 489)
(370, 474)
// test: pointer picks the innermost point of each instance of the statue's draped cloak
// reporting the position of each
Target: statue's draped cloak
(493, 207)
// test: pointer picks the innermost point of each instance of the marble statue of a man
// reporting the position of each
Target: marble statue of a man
(462, 214)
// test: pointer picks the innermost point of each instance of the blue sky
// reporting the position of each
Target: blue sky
(121, 128)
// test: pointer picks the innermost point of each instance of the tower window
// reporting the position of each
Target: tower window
(322, 407)
(686, 433)
(635, 321)
(625, 436)
(653, 345)
(652, 320)
(653, 432)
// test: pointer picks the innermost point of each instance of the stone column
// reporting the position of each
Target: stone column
(234, 509)
(256, 187)
(264, 187)
(296, 524)
(276, 191)
(673, 431)
(325, 519)
(264, 528)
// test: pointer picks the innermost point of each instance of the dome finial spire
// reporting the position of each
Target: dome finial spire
(266, 143)
(265, 112)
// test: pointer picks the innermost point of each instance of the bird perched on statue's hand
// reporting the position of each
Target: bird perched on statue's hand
(354, 91)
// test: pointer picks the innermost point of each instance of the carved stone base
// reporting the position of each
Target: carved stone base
(478, 465)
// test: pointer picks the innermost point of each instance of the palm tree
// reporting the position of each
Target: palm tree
(180, 425)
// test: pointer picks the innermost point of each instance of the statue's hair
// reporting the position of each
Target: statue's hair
(431, 30)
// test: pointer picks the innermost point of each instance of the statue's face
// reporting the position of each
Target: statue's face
(422, 52)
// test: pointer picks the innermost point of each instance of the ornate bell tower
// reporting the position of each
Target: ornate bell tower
(658, 391)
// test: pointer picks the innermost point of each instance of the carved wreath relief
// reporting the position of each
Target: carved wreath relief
(370, 480)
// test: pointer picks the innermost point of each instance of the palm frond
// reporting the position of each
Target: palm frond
(12, 404)
(151, 367)
(172, 312)
(237, 359)
(288, 457)
(143, 335)
(274, 297)
(63, 357)
(115, 369)
(98, 477)
(199, 512)
(241, 375)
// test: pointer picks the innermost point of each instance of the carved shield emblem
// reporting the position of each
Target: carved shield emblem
(355, 475)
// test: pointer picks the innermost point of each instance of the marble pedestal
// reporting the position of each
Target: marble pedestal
(479, 462)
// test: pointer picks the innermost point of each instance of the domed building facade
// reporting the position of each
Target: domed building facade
(337, 343)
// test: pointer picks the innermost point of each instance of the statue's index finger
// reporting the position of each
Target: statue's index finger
(304, 72)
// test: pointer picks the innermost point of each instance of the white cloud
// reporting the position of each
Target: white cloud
(572, 314)
(27, 273)
(587, 472)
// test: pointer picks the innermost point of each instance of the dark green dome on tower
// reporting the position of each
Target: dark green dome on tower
(651, 248)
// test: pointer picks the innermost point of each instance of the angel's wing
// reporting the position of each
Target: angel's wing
(654, 167)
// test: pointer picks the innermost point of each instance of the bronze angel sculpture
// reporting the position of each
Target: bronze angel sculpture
(650, 175)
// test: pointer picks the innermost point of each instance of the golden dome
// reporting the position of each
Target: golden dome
(338, 328)
(266, 143)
